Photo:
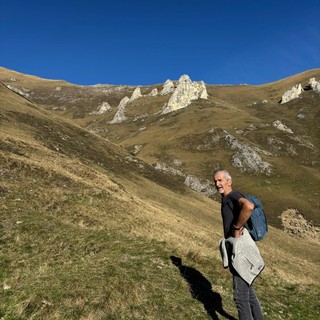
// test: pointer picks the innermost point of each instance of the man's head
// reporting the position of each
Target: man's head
(223, 182)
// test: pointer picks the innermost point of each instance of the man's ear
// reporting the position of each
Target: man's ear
(229, 183)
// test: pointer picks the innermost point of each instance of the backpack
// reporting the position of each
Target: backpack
(257, 224)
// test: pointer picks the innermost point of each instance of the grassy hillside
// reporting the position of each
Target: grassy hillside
(195, 137)
(87, 232)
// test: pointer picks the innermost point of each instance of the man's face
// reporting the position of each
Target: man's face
(223, 185)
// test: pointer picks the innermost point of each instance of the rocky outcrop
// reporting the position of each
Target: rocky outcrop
(295, 224)
(292, 94)
(136, 149)
(168, 87)
(22, 91)
(202, 90)
(185, 92)
(295, 92)
(136, 94)
(190, 181)
(161, 166)
(280, 126)
(154, 92)
(103, 108)
(120, 115)
(247, 158)
(314, 85)
(203, 187)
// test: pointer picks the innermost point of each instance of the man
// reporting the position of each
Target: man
(236, 211)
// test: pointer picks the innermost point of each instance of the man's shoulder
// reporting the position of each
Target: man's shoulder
(232, 199)
(235, 195)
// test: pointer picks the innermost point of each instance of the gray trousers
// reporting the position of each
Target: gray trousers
(244, 296)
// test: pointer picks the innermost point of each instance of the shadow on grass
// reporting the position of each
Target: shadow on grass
(201, 289)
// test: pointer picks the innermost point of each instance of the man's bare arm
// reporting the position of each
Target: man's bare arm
(245, 213)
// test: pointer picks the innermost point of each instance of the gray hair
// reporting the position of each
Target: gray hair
(227, 174)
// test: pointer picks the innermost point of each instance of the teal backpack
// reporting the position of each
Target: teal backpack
(257, 224)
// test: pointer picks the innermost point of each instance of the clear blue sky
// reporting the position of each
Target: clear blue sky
(141, 42)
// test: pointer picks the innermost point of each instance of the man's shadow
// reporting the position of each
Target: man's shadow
(201, 289)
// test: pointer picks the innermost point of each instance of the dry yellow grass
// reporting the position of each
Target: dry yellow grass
(87, 234)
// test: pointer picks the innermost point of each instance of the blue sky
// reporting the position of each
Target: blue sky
(142, 42)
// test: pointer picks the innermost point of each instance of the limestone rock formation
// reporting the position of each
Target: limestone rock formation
(202, 90)
(315, 85)
(292, 93)
(192, 182)
(280, 126)
(103, 108)
(154, 92)
(203, 187)
(246, 158)
(136, 94)
(296, 90)
(168, 87)
(184, 93)
(120, 115)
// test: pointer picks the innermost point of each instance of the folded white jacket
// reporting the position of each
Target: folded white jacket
(245, 256)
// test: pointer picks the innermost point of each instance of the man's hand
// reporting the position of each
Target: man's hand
(237, 232)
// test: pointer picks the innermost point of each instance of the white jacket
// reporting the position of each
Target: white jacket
(245, 256)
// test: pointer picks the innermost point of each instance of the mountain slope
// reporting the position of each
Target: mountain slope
(87, 231)
(236, 128)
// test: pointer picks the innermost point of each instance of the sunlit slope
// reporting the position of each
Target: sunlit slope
(87, 231)
(195, 137)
